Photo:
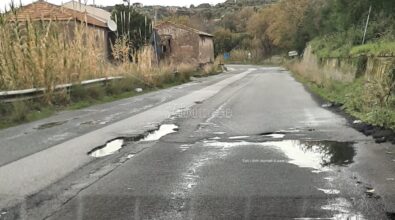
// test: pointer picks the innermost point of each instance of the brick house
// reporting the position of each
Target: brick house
(183, 44)
(68, 18)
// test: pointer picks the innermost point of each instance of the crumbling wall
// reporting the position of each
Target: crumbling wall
(346, 69)
(184, 45)
(206, 50)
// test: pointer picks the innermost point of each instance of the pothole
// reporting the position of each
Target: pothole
(317, 155)
(275, 135)
(163, 130)
(108, 149)
(116, 145)
(51, 124)
(391, 215)
(238, 137)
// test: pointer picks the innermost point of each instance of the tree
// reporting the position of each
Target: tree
(223, 41)
(193, 21)
(243, 17)
(230, 21)
(257, 27)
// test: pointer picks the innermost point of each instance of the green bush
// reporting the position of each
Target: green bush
(20, 111)
(61, 98)
(95, 92)
(5, 108)
(78, 93)
(336, 44)
(384, 117)
(354, 100)
(369, 98)
(128, 84)
(114, 88)
(374, 49)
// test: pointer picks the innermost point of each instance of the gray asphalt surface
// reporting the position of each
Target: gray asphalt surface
(24, 140)
(262, 148)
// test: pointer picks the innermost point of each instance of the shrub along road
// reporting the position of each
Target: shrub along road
(253, 146)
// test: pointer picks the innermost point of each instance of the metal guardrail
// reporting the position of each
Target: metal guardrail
(27, 94)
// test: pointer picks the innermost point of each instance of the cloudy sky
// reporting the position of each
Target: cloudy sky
(113, 2)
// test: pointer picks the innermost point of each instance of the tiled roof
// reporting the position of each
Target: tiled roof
(183, 27)
(41, 10)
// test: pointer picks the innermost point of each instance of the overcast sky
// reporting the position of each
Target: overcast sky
(113, 2)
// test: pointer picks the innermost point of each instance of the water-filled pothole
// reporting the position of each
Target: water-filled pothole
(391, 215)
(318, 155)
(275, 135)
(163, 130)
(110, 148)
(115, 145)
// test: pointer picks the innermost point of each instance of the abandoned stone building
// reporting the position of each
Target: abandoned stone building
(68, 16)
(183, 44)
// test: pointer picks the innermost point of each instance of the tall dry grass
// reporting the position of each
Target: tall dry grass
(44, 54)
(310, 72)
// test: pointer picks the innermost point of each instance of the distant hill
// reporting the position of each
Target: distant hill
(248, 2)
(212, 11)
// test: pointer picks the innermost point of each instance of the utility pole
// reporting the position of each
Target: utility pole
(366, 25)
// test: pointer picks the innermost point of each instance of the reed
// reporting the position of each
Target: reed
(35, 54)
(42, 54)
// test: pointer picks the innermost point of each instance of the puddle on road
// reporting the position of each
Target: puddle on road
(275, 136)
(329, 191)
(163, 130)
(343, 207)
(321, 156)
(110, 148)
(219, 133)
(318, 155)
(238, 137)
(115, 145)
(50, 125)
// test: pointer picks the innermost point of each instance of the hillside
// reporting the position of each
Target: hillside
(205, 11)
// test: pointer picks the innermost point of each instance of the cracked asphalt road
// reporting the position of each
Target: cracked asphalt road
(261, 148)
(24, 140)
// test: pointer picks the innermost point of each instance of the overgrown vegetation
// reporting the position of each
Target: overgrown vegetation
(133, 26)
(370, 98)
(274, 27)
(78, 97)
(43, 54)
(379, 48)
(35, 54)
